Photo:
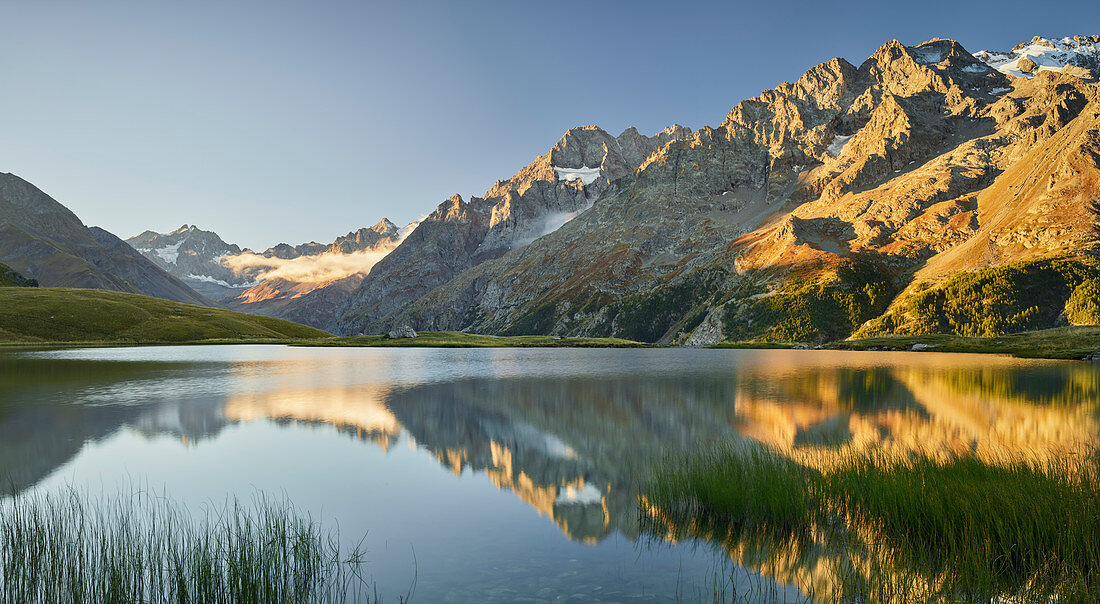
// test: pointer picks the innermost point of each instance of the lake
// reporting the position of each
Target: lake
(495, 475)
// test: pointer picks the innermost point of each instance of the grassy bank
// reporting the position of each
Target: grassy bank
(879, 531)
(1057, 343)
(57, 315)
(139, 547)
(457, 339)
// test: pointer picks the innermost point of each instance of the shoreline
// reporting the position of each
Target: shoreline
(1062, 343)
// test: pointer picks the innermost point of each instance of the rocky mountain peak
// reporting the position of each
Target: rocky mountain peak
(903, 71)
(187, 238)
(889, 52)
(21, 201)
(583, 147)
(825, 83)
(918, 150)
(674, 132)
(454, 209)
(383, 235)
(385, 228)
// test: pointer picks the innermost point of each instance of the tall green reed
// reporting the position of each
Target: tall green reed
(70, 547)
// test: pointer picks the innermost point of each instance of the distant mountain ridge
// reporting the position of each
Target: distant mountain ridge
(355, 241)
(283, 281)
(1041, 54)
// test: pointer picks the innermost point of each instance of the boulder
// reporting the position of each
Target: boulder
(402, 332)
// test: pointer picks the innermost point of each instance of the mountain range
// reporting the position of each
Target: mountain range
(856, 199)
(926, 189)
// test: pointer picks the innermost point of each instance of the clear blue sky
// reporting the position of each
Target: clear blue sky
(274, 122)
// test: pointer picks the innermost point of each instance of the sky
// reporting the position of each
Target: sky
(289, 122)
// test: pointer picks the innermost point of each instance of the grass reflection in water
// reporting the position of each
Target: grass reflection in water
(878, 529)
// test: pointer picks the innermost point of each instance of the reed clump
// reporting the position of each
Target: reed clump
(139, 547)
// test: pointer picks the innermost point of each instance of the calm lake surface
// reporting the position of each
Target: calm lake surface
(504, 474)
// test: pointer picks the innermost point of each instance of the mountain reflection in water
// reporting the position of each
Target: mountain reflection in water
(573, 433)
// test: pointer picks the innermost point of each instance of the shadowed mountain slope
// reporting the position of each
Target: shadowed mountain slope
(43, 240)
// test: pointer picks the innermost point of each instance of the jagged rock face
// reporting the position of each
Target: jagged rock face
(538, 200)
(44, 241)
(913, 158)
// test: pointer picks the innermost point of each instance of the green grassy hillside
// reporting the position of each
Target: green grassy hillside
(90, 315)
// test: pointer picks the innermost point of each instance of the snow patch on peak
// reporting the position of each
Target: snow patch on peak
(837, 146)
(584, 174)
(209, 279)
(169, 253)
(1048, 55)
(928, 55)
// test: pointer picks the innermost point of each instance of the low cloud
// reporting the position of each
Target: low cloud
(550, 223)
(314, 269)
(305, 269)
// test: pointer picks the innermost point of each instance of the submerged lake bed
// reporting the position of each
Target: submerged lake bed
(481, 475)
